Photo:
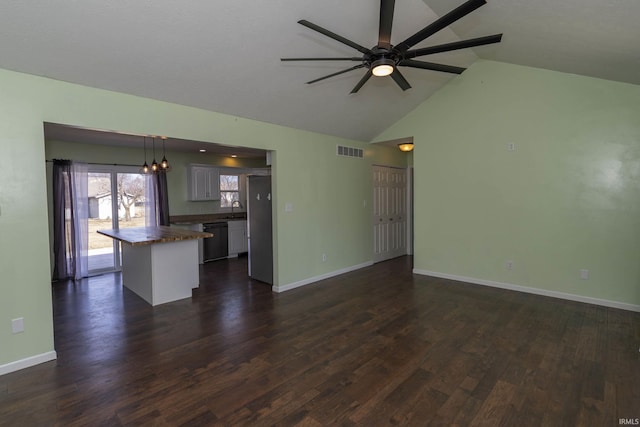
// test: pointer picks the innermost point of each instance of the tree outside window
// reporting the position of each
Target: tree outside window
(131, 190)
(229, 191)
(130, 195)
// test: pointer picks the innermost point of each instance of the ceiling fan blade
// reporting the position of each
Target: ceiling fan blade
(400, 80)
(336, 74)
(386, 22)
(440, 23)
(321, 59)
(362, 81)
(462, 44)
(334, 36)
(431, 66)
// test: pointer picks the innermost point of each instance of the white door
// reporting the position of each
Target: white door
(389, 213)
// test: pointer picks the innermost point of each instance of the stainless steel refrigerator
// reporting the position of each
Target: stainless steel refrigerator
(260, 233)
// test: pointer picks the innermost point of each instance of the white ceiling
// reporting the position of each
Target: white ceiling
(224, 56)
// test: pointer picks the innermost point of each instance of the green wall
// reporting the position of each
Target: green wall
(567, 198)
(327, 192)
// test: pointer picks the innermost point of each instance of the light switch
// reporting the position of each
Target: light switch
(288, 207)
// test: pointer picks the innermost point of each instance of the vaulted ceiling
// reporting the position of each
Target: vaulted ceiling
(225, 56)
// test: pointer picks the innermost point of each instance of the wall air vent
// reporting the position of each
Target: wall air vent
(349, 151)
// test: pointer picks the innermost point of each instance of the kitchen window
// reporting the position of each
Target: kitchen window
(229, 191)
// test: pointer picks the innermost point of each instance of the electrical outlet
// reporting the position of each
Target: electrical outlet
(584, 274)
(17, 325)
(511, 146)
(508, 265)
(324, 257)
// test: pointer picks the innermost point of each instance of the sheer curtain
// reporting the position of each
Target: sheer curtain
(70, 220)
(157, 200)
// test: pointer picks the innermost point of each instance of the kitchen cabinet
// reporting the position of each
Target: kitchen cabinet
(202, 183)
(238, 242)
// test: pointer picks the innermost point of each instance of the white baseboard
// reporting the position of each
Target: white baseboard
(28, 362)
(529, 290)
(310, 280)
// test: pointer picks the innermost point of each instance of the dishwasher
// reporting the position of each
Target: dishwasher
(215, 247)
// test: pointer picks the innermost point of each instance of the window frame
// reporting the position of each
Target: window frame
(224, 190)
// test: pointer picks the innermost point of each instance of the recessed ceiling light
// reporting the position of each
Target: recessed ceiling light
(234, 155)
(202, 150)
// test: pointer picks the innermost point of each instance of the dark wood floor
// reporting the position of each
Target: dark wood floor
(378, 346)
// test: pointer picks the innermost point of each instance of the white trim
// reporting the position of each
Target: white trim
(530, 290)
(409, 215)
(310, 280)
(28, 362)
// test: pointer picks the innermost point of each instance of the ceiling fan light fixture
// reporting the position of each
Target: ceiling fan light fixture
(406, 146)
(384, 58)
(382, 67)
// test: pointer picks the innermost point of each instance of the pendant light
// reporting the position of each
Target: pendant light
(154, 164)
(164, 164)
(145, 166)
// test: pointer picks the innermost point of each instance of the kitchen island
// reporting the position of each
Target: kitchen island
(160, 264)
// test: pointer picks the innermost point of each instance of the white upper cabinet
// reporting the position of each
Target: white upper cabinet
(202, 183)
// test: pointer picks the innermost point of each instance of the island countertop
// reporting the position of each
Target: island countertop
(138, 236)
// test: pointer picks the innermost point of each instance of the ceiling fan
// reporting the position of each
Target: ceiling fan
(384, 58)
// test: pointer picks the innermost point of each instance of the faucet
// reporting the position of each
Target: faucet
(236, 204)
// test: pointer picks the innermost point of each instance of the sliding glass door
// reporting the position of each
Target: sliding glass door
(116, 200)
(101, 247)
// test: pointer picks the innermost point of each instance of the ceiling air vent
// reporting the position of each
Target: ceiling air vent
(349, 151)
